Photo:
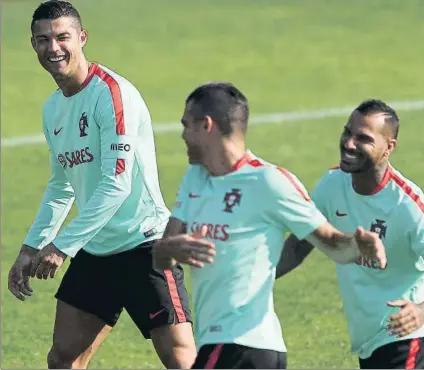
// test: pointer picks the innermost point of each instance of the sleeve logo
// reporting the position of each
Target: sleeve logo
(120, 147)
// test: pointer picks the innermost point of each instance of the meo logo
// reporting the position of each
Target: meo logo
(120, 147)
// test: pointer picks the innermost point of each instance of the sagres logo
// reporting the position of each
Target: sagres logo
(75, 158)
(83, 124)
(215, 231)
(231, 199)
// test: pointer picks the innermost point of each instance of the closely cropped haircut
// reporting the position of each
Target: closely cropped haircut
(54, 9)
(224, 103)
(373, 106)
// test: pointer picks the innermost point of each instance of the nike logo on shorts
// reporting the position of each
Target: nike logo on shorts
(153, 315)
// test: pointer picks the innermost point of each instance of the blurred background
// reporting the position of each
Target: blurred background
(303, 65)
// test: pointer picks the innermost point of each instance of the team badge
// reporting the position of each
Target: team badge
(379, 228)
(83, 124)
(231, 199)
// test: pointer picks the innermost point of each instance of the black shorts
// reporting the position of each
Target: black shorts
(103, 286)
(235, 356)
(404, 354)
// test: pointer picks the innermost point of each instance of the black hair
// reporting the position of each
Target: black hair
(373, 106)
(54, 9)
(224, 103)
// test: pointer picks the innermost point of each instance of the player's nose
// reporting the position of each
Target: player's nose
(349, 143)
(53, 46)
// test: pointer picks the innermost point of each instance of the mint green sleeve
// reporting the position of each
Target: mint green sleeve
(320, 195)
(118, 119)
(179, 210)
(288, 204)
(55, 205)
(416, 219)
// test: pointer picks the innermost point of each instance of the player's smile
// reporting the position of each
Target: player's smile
(56, 59)
(350, 157)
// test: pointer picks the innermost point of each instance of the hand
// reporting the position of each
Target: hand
(18, 280)
(407, 320)
(190, 249)
(371, 246)
(47, 262)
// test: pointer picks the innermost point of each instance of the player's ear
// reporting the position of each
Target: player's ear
(208, 123)
(390, 147)
(83, 38)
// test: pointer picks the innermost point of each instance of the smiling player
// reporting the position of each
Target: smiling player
(233, 209)
(384, 308)
(102, 153)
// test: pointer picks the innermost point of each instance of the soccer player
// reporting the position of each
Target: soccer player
(384, 308)
(233, 209)
(102, 154)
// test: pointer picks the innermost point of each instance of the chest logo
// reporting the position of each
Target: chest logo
(379, 228)
(232, 199)
(83, 124)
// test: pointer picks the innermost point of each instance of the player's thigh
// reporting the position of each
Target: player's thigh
(403, 354)
(76, 333)
(234, 356)
(89, 298)
(156, 298)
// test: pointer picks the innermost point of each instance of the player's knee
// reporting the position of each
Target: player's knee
(175, 346)
(179, 356)
(60, 358)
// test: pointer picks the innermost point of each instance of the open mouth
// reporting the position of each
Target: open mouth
(349, 157)
(56, 59)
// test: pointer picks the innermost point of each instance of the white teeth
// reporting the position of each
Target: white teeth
(350, 156)
(57, 59)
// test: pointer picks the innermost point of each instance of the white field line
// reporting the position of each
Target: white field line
(270, 118)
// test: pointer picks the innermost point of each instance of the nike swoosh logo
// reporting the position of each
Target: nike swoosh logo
(56, 132)
(153, 315)
(340, 214)
(191, 195)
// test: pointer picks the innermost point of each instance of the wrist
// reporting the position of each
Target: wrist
(349, 249)
(162, 254)
(28, 250)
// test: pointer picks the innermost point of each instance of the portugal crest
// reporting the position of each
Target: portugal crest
(232, 199)
(379, 228)
(83, 124)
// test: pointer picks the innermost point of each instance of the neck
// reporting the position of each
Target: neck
(223, 159)
(366, 183)
(71, 84)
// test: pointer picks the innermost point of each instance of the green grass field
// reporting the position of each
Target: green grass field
(286, 56)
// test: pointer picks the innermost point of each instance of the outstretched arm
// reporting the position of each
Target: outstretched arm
(294, 253)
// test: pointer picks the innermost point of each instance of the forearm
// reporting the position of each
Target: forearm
(293, 254)
(101, 207)
(341, 248)
(55, 206)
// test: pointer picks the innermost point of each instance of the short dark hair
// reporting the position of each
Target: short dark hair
(224, 103)
(372, 106)
(53, 9)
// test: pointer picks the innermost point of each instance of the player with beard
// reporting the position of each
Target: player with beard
(231, 214)
(102, 155)
(384, 308)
